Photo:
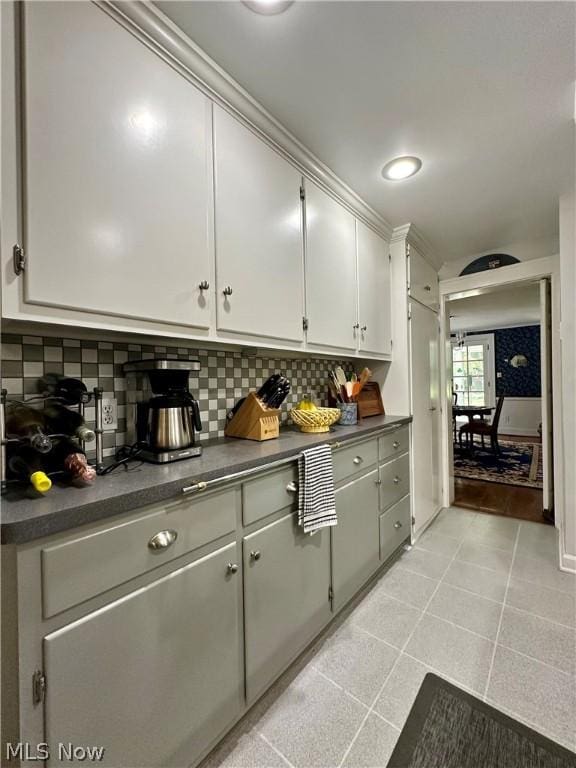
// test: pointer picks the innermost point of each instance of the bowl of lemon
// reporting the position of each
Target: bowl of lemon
(308, 417)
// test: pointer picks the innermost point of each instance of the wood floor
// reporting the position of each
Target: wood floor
(498, 499)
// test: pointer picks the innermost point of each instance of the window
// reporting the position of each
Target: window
(473, 370)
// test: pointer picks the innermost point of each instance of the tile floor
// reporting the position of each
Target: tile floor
(478, 601)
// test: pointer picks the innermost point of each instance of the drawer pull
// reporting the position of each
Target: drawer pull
(396, 445)
(292, 487)
(397, 524)
(377, 482)
(163, 539)
(396, 480)
(358, 460)
(255, 555)
(232, 568)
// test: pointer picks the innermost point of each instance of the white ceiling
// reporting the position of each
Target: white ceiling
(483, 92)
(499, 309)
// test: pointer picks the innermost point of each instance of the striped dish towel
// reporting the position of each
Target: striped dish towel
(317, 505)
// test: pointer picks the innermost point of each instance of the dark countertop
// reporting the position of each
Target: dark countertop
(65, 507)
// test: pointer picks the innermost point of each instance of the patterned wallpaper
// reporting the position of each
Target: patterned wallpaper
(517, 382)
(224, 376)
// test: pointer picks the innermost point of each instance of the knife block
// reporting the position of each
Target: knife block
(253, 421)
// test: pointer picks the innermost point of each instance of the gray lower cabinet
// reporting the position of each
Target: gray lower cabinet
(355, 540)
(286, 597)
(156, 676)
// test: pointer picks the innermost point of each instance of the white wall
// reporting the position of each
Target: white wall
(524, 250)
(568, 358)
(520, 416)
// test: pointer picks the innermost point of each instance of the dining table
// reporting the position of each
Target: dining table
(470, 411)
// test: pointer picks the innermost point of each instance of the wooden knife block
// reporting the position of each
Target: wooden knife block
(370, 400)
(253, 421)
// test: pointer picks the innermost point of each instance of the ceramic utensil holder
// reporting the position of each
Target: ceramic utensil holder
(348, 413)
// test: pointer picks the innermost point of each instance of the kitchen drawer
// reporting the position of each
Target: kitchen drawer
(394, 444)
(394, 481)
(394, 527)
(270, 493)
(85, 566)
(355, 459)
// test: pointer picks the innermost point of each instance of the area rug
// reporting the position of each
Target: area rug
(449, 728)
(517, 464)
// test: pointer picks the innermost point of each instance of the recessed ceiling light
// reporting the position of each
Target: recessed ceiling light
(268, 7)
(401, 168)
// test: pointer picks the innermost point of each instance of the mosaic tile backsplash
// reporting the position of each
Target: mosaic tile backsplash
(224, 376)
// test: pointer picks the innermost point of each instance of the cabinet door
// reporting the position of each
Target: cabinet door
(355, 540)
(424, 342)
(258, 235)
(286, 602)
(373, 292)
(331, 287)
(423, 284)
(117, 181)
(155, 677)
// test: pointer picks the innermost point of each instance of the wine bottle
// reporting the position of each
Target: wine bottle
(62, 420)
(67, 456)
(26, 464)
(67, 390)
(28, 424)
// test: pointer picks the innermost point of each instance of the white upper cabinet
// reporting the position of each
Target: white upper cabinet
(331, 288)
(117, 172)
(259, 246)
(374, 314)
(423, 280)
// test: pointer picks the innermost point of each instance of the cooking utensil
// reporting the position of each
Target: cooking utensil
(340, 375)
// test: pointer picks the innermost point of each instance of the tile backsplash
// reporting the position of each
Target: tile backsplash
(223, 378)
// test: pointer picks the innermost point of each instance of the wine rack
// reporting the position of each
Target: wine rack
(95, 397)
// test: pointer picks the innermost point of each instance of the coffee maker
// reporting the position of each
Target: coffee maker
(168, 416)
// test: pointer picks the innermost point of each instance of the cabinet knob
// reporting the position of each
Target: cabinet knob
(292, 487)
(428, 288)
(356, 326)
(163, 539)
(357, 459)
(255, 554)
(364, 328)
(232, 568)
(397, 524)
(396, 444)
(204, 285)
(396, 480)
(377, 482)
(227, 291)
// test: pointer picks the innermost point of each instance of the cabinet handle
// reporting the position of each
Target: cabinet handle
(397, 524)
(396, 444)
(227, 291)
(428, 288)
(292, 487)
(356, 326)
(255, 555)
(163, 539)
(364, 328)
(204, 285)
(377, 482)
(358, 460)
(232, 568)
(396, 480)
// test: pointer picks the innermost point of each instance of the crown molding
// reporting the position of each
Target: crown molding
(415, 238)
(149, 24)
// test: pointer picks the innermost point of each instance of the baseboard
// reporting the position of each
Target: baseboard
(567, 562)
(517, 431)
(416, 536)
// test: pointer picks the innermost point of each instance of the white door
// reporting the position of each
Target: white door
(117, 172)
(259, 248)
(546, 387)
(374, 313)
(331, 286)
(425, 389)
(423, 280)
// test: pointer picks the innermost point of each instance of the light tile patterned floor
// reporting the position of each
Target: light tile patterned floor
(479, 601)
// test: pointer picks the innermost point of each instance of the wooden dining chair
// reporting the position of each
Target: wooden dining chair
(454, 424)
(483, 428)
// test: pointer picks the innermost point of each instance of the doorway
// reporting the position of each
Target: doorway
(496, 381)
(498, 346)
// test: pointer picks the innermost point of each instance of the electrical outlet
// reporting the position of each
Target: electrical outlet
(109, 414)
